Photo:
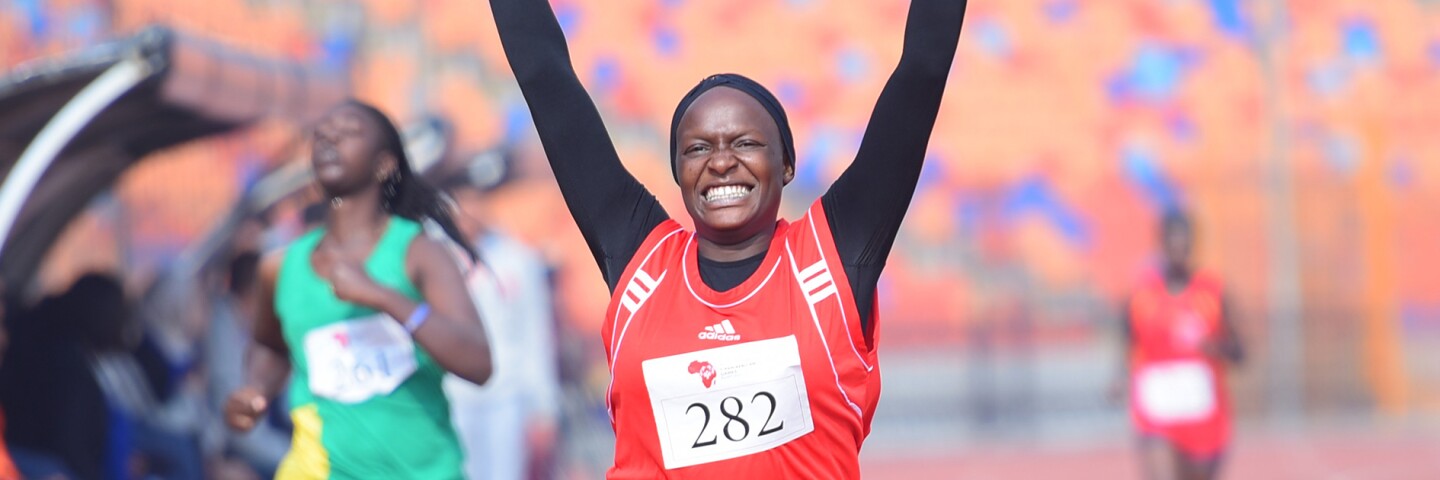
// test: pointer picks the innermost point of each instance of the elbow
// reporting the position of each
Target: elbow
(479, 371)
(486, 370)
(528, 75)
(480, 376)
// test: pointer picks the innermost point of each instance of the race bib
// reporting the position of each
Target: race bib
(1176, 392)
(728, 402)
(352, 361)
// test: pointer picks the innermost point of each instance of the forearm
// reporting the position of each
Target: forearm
(871, 197)
(570, 127)
(932, 34)
(533, 41)
(266, 370)
(1231, 351)
(612, 209)
(867, 203)
(1232, 348)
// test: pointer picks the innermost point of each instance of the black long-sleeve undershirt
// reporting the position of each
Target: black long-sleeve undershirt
(615, 212)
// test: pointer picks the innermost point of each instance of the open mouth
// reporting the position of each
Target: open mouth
(326, 154)
(726, 193)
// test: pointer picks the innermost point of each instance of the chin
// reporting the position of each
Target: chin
(336, 187)
(330, 189)
(731, 226)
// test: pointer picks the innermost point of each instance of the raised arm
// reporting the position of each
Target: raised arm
(612, 209)
(865, 205)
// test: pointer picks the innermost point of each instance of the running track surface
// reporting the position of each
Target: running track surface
(1330, 456)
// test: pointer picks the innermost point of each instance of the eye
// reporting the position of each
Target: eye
(748, 143)
(697, 149)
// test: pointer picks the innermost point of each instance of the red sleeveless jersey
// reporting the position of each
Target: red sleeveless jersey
(771, 379)
(1177, 392)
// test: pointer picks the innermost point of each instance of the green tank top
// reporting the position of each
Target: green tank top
(366, 399)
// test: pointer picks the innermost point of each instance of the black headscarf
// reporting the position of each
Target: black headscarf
(751, 88)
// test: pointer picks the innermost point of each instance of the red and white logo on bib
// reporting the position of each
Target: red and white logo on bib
(706, 371)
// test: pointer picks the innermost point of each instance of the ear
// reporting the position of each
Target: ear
(789, 173)
(387, 165)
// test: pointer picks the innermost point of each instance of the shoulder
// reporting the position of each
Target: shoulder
(814, 221)
(663, 245)
(1149, 286)
(1146, 280)
(810, 231)
(1208, 280)
(270, 264)
(403, 227)
(668, 232)
(421, 248)
(427, 252)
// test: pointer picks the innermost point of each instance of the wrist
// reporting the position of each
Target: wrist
(257, 387)
(417, 317)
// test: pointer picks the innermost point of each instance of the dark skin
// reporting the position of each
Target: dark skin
(726, 138)
(1159, 459)
(349, 164)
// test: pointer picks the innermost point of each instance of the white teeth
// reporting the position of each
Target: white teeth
(726, 192)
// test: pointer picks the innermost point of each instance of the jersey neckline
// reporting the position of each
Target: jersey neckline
(690, 264)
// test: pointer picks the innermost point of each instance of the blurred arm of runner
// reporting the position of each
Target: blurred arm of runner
(1120, 387)
(1227, 347)
(613, 210)
(451, 333)
(268, 359)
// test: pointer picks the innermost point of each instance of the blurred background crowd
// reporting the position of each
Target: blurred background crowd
(1304, 135)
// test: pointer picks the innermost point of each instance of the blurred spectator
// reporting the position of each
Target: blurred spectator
(7, 465)
(508, 426)
(78, 383)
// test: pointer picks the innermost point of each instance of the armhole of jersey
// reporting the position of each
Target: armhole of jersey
(290, 260)
(816, 228)
(1214, 293)
(405, 245)
(1209, 281)
(652, 241)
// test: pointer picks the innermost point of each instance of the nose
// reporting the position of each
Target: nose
(326, 131)
(722, 161)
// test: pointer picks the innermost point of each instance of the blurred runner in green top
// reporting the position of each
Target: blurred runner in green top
(365, 315)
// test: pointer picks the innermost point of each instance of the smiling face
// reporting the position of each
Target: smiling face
(346, 153)
(730, 166)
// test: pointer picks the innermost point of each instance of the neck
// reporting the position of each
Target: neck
(729, 252)
(1177, 275)
(357, 217)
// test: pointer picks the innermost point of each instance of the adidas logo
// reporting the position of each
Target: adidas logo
(722, 331)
